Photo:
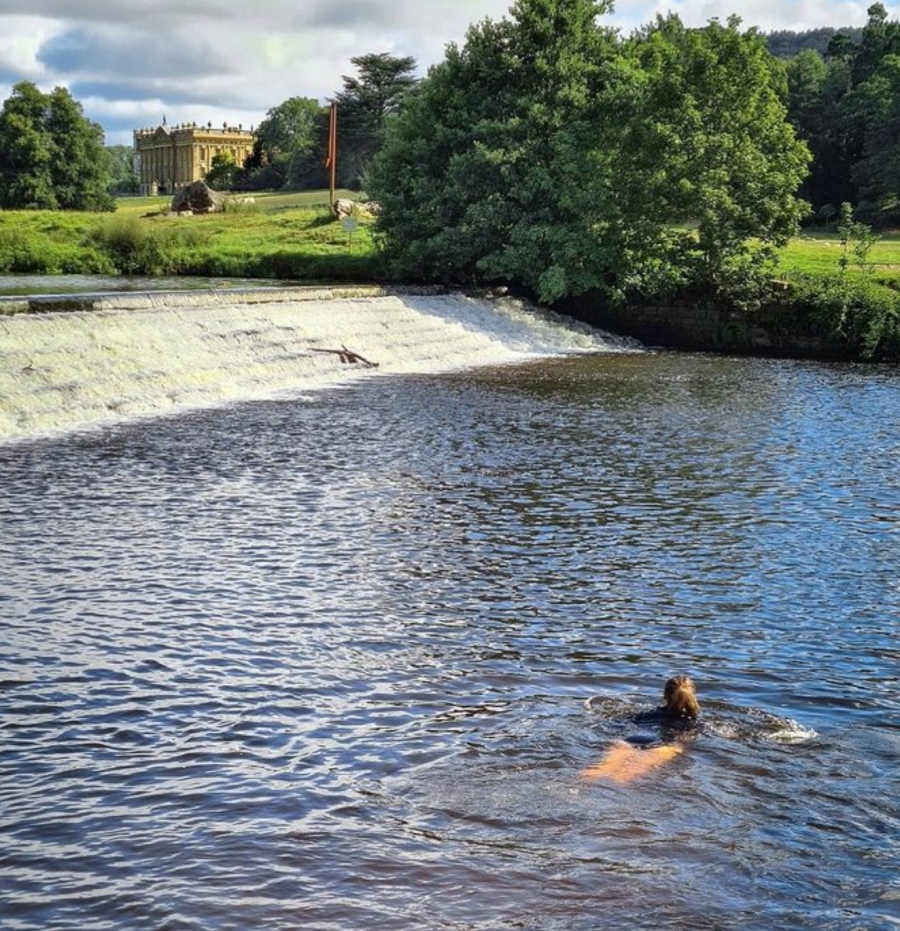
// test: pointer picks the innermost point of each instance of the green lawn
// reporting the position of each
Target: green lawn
(278, 235)
(266, 201)
(818, 253)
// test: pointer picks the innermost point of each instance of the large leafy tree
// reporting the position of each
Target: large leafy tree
(51, 156)
(79, 168)
(365, 103)
(546, 153)
(288, 136)
(499, 166)
(26, 154)
(712, 119)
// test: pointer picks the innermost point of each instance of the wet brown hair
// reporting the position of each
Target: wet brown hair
(681, 698)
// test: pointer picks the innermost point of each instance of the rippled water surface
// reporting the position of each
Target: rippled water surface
(321, 663)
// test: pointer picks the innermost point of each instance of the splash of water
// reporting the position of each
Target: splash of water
(134, 355)
(720, 719)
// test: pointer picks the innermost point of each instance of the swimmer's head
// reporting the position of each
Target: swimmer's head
(680, 698)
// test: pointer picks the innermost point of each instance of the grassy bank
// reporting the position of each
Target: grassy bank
(295, 237)
(278, 235)
(860, 308)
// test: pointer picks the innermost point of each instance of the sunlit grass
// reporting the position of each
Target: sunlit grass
(288, 235)
(284, 236)
(819, 253)
(267, 201)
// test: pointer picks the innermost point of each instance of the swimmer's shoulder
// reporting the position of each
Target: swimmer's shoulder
(655, 716)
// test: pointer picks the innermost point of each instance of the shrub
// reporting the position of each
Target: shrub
(140, 248)
(863, 315)
(21, 253)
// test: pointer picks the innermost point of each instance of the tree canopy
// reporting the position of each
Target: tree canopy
(547, 152)
(292, 141)
(51, 155)
(785, 43)
(288, 137)
(365, 103)
(844, 104)
(120, 163)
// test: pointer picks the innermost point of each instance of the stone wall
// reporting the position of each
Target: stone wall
(773, 330)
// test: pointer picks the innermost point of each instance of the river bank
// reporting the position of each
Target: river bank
(855, 324)
(293, 238)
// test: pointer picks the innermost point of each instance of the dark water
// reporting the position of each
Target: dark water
(321, 664)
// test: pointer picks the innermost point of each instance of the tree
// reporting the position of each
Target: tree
(879, 38)
(365, 104)
(847, 117)
(816, 93)
(712, 116)
(222, 172)
(51, 156)
(546, 153)
(784, 43)
(876, 107)
(499, 166)
(25, 151)
(78, 167)
(120, 165)
(290, 132)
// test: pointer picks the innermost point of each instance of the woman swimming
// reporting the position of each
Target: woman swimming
(677, 719)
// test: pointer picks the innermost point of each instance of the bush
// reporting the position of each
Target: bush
(139, 248)
(26, 252)
(865, 316)
(21, 253)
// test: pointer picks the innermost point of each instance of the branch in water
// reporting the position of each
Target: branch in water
(349, 358)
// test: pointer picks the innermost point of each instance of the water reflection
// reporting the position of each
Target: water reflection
(322, 663)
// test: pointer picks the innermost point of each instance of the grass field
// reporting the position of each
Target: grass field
(279, 235)
(818, 253)
(266, 201)
(276, 235)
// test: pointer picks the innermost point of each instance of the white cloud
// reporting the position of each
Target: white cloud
(21, 38)
(769, 14)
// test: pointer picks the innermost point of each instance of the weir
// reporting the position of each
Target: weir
(69, 362)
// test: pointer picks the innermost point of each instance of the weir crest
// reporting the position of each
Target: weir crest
(72, 362)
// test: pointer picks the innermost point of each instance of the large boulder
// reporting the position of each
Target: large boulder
(198, 197)
(343, 207)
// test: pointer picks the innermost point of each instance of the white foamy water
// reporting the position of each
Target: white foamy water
(148, 354)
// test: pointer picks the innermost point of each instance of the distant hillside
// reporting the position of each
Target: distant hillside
(784, 43)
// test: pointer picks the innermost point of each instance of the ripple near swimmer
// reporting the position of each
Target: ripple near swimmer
(720, 719)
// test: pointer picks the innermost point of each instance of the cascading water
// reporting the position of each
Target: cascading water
(132, 355)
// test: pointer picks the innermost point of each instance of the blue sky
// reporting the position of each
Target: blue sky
(131, 62)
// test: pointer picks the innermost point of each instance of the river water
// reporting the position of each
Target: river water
(321, 662)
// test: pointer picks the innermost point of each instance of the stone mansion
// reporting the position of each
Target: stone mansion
(168, 159)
